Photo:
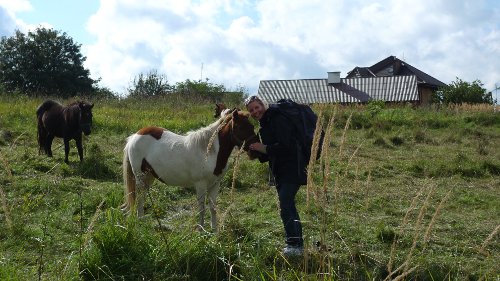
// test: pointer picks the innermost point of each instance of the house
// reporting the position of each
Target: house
(391, 67)
(391, 80)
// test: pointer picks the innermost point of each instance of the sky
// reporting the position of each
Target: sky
(237, 43)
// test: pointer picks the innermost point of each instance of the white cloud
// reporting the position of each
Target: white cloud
(144, 36)
(243, 42)
(16, 6)
(8, 21)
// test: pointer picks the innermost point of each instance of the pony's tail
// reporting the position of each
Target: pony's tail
(42, 133)
(129, 183)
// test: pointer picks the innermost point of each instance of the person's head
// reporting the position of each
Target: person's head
(256, 107)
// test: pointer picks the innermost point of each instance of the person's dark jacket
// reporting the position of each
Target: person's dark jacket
(284, 154)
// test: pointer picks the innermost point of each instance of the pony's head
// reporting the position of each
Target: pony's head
(85, 116)
(242, 131)
(219, 109)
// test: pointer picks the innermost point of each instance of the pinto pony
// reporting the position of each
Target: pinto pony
(198, 159)
(67, 122)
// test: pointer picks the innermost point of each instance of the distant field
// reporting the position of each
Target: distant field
(400, 193)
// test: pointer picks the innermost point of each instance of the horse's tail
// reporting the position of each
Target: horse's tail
(46, 105)
(129, 182)
(42, 132)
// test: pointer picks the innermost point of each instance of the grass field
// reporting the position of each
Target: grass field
(400, 193)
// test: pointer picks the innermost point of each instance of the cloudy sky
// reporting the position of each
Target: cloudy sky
(238, 43)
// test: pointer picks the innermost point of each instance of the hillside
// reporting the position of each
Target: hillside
(411, 190)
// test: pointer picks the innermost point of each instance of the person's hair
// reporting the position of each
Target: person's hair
(258, 99)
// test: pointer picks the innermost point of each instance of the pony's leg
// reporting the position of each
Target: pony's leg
(48, 145)
(79, 146)
(142, 183)
(212, 201)
(139, 194)
(201, 194)
(66, 150)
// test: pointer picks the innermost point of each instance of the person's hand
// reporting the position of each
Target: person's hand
(257, 146)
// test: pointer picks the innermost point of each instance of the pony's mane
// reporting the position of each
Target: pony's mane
(203, 137)
(77, 103)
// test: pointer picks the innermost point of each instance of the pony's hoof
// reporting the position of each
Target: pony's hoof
(200, 228)
(143, 216)
(125, 209)
(164, 226)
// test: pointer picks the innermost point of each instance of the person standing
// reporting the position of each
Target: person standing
(287, 165)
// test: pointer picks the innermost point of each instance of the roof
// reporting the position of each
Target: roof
(392, 66)
(349, 90)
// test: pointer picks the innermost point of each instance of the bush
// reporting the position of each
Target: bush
(359, 120)
(460, 91)
(151, 84)
(375, 106)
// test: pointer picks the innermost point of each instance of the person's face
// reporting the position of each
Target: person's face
(256, 109)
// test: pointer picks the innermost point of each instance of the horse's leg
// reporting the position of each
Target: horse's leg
(66, 149)
(212, 201)
(143, 182)
(78, 141)
(201, 194)
(48, 145)
(139, 194)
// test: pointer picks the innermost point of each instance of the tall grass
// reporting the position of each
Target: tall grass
(398, 193)
(3, 198)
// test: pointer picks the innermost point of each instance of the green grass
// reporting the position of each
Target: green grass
(419, 185)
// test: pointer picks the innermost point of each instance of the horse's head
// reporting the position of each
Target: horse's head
(85, 116)
(242, 131)
(219, 108)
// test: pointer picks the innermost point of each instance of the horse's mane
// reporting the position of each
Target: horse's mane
(203, 137)
(76, 103)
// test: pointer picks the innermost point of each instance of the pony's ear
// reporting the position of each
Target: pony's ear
(235, 114)
(91, 105)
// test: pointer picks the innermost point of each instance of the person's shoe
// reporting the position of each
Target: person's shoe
(293, 251)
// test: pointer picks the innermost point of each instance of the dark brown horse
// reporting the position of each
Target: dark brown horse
(66, 122)
(219, 108)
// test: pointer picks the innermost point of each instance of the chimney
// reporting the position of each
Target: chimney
(333, 77)
(396, 66)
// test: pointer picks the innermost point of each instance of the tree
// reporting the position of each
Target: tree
(43, 62)
(151, 84)
(461, 91)
(203, 89)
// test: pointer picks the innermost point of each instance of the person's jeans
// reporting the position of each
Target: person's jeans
(289, 214)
